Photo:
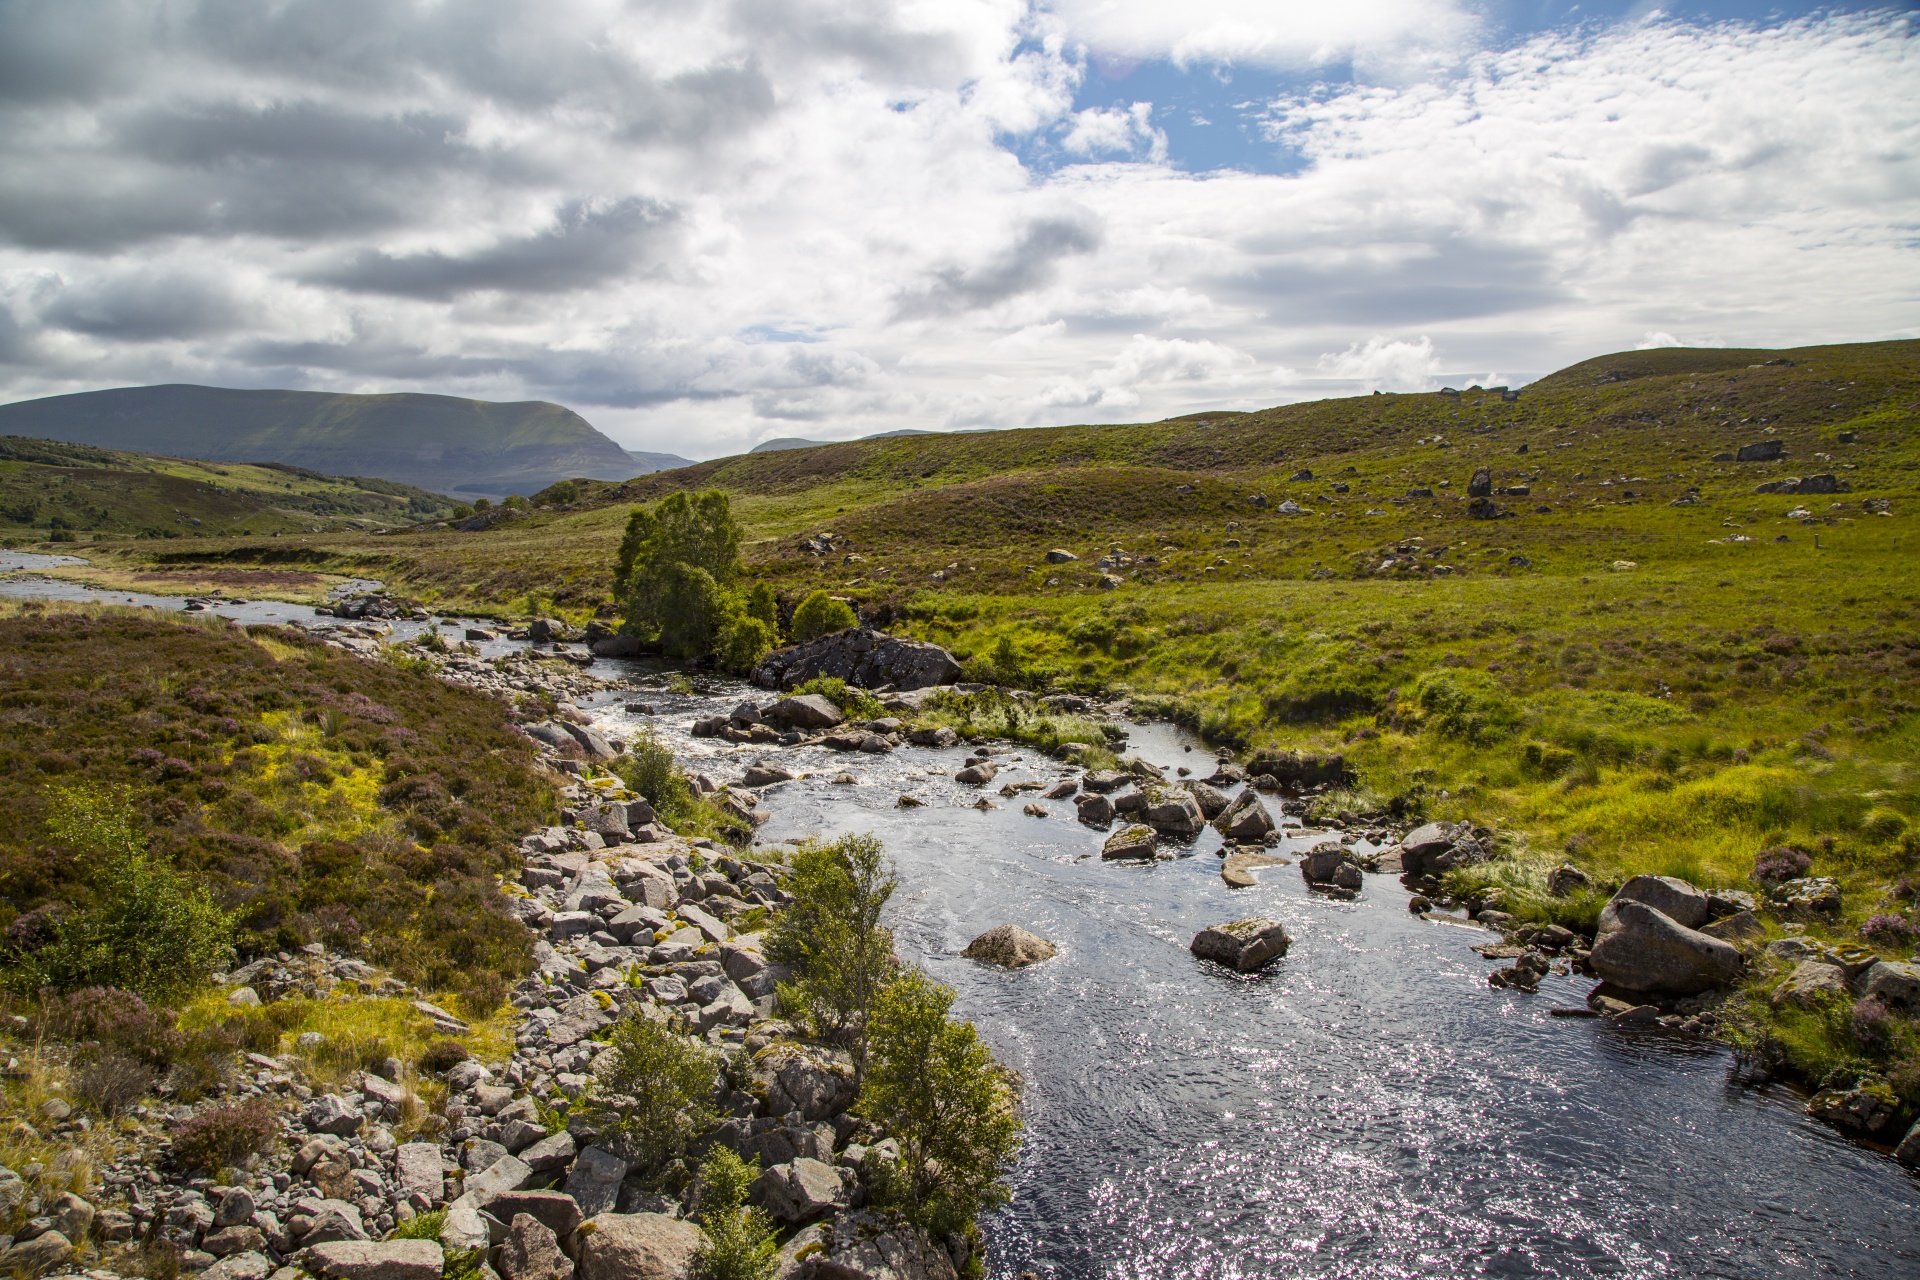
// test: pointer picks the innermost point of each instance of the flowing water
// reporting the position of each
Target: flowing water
(1367, 1108)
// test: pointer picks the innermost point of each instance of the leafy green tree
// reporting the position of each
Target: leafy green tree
(832, 936)
(150, 929)
(737, 1240)
(655, 1097)
(821, 615)
(761, 603)
(742, 642)
(936, 1089)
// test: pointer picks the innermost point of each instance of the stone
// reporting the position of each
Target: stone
(1322, 866)
(1566, 879)
(375, 1260)
(1237, 868)
(516, 1135)
(509, 1173)
(1246, 819)
(1864, 1109)
(1175, 812)
(1809, 894)
(1761, 451)
(1060, 555)
(338, 1221)
(1422, 843)
(244, 998)
(1104, 780)
(1896, 984)
(1212, 801)
(417, 1167)
(1481, 484)
(1010, 947)
(799, 1191)
(479, 1153)
(41, 1254)
(556, 1210)
(1132, 841)
(464, 1228)
(317, 1149)
(532, 1252)
(764, 775)
(1245, 946)
(1743, 929)
(235, 1208)
(330, 1113)
(942, 738)
(594, 1182)
(1810, 982)
(1908, 1152)
(465, 1074)
(808, 1081)
(637, 1246)
(240, 1266)
(1301, 770)
(229, 1240)
(805, 712)
(875, 1246)
(1094, 810)
(72, 1216)
(1649, 950)
(975, 775)
(550, 1154)
(861, 656)
(1676, 899)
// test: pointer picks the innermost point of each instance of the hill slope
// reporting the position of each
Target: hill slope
(436, 442)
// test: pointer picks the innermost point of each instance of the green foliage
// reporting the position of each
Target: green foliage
(689, 609)
(655, 1097)
(935, 1088)
(762, 603)
(737, 1241)
(852, 700)
(1467, 705)
(674, 575)
(819, 615)
(422, 1226)
(649, 770)
(742, 642)
(831, 935)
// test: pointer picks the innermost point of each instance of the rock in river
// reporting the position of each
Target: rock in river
(1130, 841)
(860, 656)
(1651, 951)
(1010, 947)
(1243, 945)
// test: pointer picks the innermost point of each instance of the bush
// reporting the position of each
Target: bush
(656, 1096)
(742, 642)
(736, 1240)
(1884, 929)
(1883, 825)
(937, 1090)
(821, 615)
(111, 1081)
(830, 933)
(1466, 705)
(422, 1226)
(1772, 866)
(442, 1056)
(225, 1135)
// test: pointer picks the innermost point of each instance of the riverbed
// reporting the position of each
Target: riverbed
(1367, 1108)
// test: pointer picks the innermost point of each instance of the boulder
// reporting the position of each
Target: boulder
(1649, 950)
(941, 737)
(594, 1182)
(1810, 982)
(532, 1252)
(1131, 841)
(1422, 843)
(975, 775)
(1761, 451)
(637, 1246)
(1243, 945)
(73, 1217)
(1566, 879)
(809, 1081)
(1300, 770)
(807, 711)
(1213, 802)
(1060, 555)
(416, 1167)
(1094, 810)
(1010, 947)
(1894, 983)
(1103, 780)
(556, 1210)
(861, 656)
(41, 1254)
(1743, 929)
(330, 1113)
(1818, 895)
(464, 1227)
(764, 775)
(240, 1266)
(1175, 812)
(1908, 1152)
(1238, 868)
(1674, 898)
(1324, 864)
(1245, 820)
(550, 1154)
(876, 1246)
(508, 1173)
(799, 1191)
(375, 1260)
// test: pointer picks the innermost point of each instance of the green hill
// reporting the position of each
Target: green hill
(67, 492)
(471, 447)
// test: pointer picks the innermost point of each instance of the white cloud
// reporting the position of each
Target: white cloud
(637, 208)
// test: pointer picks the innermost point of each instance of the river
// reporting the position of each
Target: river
(1367, 1108)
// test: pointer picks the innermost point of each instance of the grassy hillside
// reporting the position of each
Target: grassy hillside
(437, 442)
(75, 492)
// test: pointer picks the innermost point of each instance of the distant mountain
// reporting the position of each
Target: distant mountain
(648, 463)
(468, 447)
(795, 442)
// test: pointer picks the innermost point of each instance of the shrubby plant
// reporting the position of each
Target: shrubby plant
(832, 936)
(820, 615)
(676, 578)
(737, 1239)
(656, 1096)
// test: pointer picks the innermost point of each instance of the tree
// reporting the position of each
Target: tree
(675, 575)
(737, 1240)
(831, 934)
(655, 1097)
(821, 615)
(936, 1089)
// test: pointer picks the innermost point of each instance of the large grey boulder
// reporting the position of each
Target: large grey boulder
(550, 1154)
(1174, 812)
(330, 1113)
(1242, 945)
(1742, 929)
(594, 1182)
(1908, 1152)
(1676, 899)
(806, 712)
(555, 1209)
(1894, 983)
(637, 1246)
(1093, 809)
(1649, 950)
(876, 1246)
(1246, 819)
(1811, 982)
(1213, 802)
(375, 1260)
(861, 656)
(508, 1173)
(799, 1191)
(1131, 842)
(1010, 947)
(532, 1252)
(41, 1254)
(1422, 843)
(240, 1266)
(808, 1080)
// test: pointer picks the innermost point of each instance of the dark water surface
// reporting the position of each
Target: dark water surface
(1368, 1108)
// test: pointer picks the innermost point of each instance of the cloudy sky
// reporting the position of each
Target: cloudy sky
(703, 223)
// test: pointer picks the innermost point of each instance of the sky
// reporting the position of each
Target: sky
(706, 223)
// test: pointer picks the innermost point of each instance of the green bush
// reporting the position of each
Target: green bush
(1544, 760)
(821, 615)
(655, 1097)
(1883, 826)
(1467, 705)
(736, 1240)
(831, 934)
(936, 1089)
(742, 642)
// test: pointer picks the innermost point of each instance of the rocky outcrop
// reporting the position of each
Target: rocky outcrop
(860, 656)
(1299, 770)
(1649, 950)
(1010, 947)
(1244, 946)
(1676, 899)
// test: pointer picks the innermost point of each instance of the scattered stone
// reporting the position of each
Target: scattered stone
(1811, 982)
(1238, 868)
(975, 775)
(532, 1252)
(1243, 945)
(1010, 947)
(1133, 841)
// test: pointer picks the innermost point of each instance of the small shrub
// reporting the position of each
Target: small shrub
(114, 1019)
(655, 1097)
(1782, 863)
(110, 1082)
(1887, 930)
(1543, 760)
(831, 934)
(737, 1241)
(1883, 826)
(422, 1226)
(821, 615)
(442, 1056)
(1873, 1026)
(225, 1135)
